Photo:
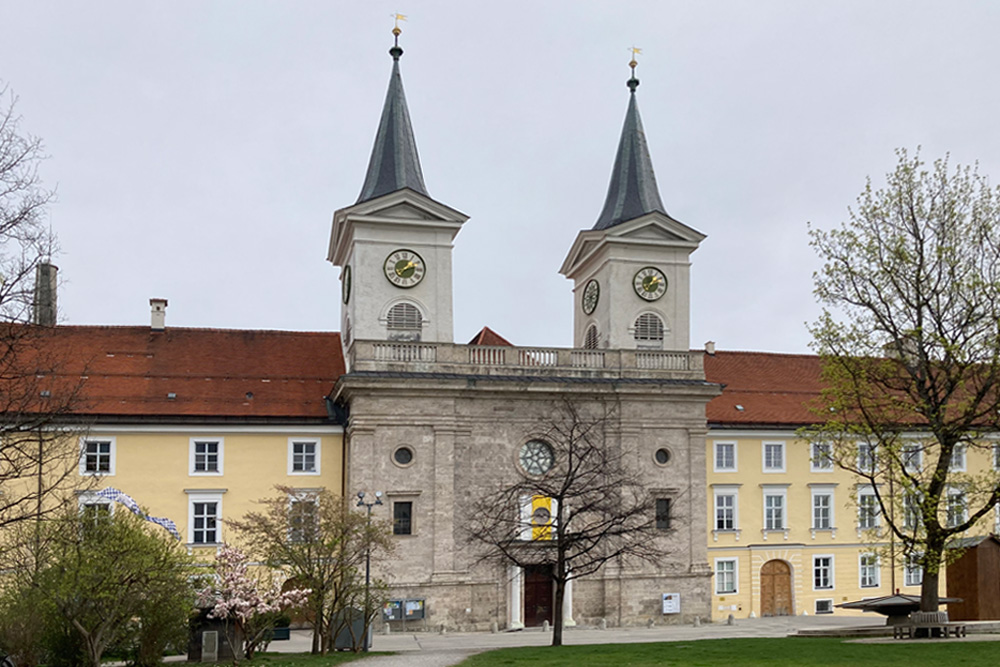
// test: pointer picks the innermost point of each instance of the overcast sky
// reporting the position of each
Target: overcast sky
(200, 148)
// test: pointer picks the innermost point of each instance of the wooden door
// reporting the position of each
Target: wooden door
(538, 595)
(776, 589)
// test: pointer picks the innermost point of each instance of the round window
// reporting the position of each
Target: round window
(403, 456)
(662, 456)
(536, 457)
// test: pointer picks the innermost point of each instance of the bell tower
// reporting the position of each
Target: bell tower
(631, 271)
(394, 244)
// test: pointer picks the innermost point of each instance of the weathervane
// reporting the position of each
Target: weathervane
(396, 51)
(633, 83)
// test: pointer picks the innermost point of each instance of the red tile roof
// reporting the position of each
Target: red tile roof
(489, 337)
(133, 371)
(772, 389)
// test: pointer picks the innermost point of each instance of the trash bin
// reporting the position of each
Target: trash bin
(348, 628)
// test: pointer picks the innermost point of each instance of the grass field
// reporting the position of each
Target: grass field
(771, 652)
(305, 659)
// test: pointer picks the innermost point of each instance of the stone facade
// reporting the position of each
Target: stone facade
(465, 424)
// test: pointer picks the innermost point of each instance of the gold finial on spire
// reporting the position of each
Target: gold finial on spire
(396, 18)
(635, 52)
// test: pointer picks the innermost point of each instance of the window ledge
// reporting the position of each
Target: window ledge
(771, 531)
(735, 533)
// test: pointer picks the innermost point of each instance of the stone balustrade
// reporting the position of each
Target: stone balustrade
(419, 357)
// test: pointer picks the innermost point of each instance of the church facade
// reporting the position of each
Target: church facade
(433, 424)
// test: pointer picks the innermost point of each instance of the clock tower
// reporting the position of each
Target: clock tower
(631, 271)
(394, 244)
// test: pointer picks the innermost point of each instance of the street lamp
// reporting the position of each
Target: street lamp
(368, 504)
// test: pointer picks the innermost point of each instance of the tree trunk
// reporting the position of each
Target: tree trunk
(317, 643)
(557, 616)
(929, 598)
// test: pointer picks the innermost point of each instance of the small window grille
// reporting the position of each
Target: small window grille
(404, 322)
(648, 329)
(591, 339)
(824, 606)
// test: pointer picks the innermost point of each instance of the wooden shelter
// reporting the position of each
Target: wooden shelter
(975, 577)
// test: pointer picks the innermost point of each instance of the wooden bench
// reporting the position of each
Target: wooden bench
(935, 623)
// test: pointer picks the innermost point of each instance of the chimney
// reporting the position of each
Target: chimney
(44, 305)
(710, 347)
(158, 314)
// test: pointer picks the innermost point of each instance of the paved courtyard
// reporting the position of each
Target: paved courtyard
(431, 649)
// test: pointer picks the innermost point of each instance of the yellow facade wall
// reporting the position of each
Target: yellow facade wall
(155, 467)
(751, 546)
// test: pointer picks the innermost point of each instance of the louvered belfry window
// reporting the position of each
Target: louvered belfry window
(591, 339)
(649, 330)
(404, 322)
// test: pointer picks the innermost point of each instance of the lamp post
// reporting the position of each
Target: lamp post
(368, 505)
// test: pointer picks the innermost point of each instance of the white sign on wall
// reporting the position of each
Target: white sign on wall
(671, 603)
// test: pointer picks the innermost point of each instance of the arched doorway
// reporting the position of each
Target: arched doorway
(776, 589)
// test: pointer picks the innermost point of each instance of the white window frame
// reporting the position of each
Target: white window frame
(829, 607)
(715, 456)
(732, 491)
(956, 492)
(996, 456)
(736, 579)
(912, 454)
(205, 497)
(318, 448)
(301, 496)
(959, 459)
(775, 492)
(911, 509)
(826, 456)
(113, 454)
(830, 572)
(86, 499)
(774, 445)
(866, 451)
(875, 573)
(913, 572)
(192, 455)
(823, 491)
(867, 491)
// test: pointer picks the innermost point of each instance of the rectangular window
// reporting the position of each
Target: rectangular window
(913, 572)
(97, 457)
(824, 606)
(402, 517)
(912, 455)
(774, 512)
(867, 455)
(868, 570)
(205, 522)
(206, 456)
(303, 457)
(302, 518)
(822, 457)
(911, 512)
(725, 576)
(774, 457)
(822, 572)
(725, 511)
(996, 457)
(822, 511)
(958, 459)
(956, 506)
(725, 457)
(663, 513)
(868, 510)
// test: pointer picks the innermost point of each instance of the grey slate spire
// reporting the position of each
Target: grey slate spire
(633, 190)
(394, 163)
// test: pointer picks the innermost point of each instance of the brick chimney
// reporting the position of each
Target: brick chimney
(158, 314)
(43, 311)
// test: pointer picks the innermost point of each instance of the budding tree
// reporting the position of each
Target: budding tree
(910, 340)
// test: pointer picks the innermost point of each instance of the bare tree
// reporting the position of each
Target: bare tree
(321, 543)
(597, 509)
(911, 355)
(38, 454)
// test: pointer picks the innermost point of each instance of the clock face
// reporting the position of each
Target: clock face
(650, 283)
(536, 457)
(404, 268)
(591, 293)
(345, 284)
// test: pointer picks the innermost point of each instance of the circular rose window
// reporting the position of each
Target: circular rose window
(403, 456)
(536, 457)
(662, 456)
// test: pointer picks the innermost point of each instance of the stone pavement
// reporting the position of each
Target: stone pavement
(430, 649)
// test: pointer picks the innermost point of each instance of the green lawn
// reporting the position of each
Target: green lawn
(771, 652)
(306, 659)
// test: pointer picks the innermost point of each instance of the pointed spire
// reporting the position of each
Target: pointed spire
(633, 190)
(394, 163)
